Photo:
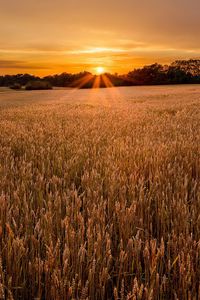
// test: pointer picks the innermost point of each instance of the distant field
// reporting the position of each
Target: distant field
(100, 193)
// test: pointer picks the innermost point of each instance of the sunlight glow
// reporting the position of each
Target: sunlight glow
(100, 70)
(98, 50)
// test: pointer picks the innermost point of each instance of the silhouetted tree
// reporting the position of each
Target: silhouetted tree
(153, 74)
(191, 66)
(176, 75)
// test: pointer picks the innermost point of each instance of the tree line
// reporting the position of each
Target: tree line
(179, 72)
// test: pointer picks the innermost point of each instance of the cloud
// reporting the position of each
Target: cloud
(15, 64)
(52, 35)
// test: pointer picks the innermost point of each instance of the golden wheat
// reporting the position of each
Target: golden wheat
(100, 199)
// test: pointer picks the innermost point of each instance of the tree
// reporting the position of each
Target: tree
(191, 66)
(153, 74)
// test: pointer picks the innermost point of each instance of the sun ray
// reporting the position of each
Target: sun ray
(82, 81)
(106, 81)
(97, 82)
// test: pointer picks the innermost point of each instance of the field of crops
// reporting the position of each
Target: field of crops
(100, 194)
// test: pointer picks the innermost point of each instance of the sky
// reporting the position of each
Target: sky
(46, 36)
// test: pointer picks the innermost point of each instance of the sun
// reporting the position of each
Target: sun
(100, 70)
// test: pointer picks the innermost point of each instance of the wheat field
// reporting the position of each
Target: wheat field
(100, 194)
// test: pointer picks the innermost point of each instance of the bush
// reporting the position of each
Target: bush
(16, 86)
(38, 85)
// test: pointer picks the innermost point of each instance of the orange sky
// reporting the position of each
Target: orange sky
(46, 37)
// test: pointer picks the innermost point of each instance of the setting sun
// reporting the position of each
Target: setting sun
(100, 70)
